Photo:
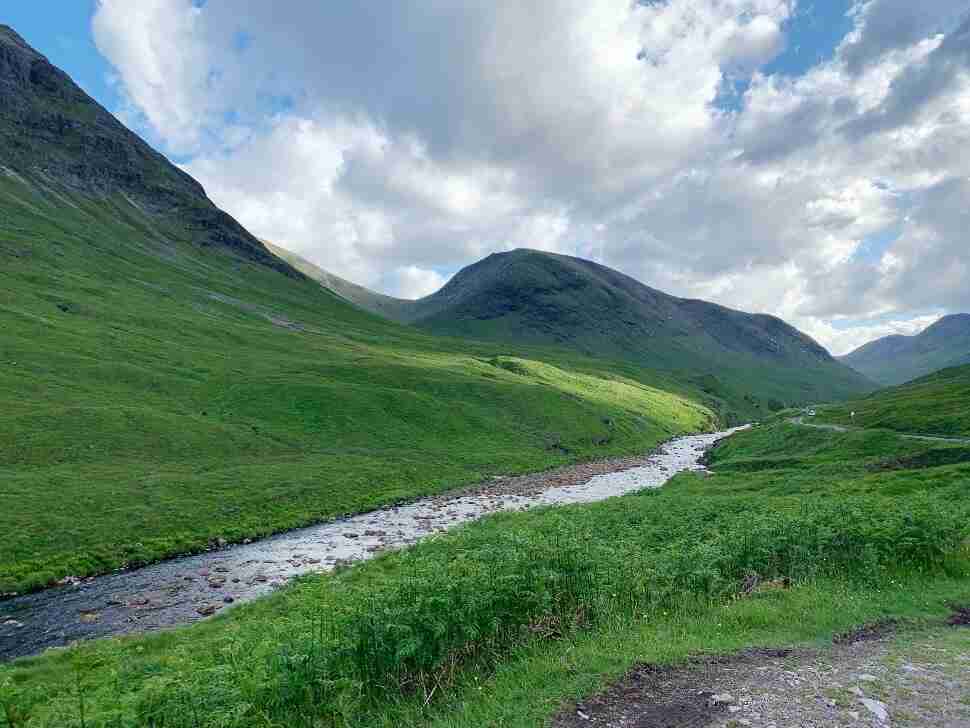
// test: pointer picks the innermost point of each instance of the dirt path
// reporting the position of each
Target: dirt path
(871, 678)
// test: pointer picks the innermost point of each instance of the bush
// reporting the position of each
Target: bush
(480, 593)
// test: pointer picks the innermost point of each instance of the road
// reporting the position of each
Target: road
(840, 428)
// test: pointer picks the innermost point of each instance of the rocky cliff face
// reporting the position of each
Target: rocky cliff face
(55, 136)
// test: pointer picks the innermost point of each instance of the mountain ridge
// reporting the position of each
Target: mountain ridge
(55, 137)
(534, 297)
(897, 358)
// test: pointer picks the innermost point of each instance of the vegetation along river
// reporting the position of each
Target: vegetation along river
(186, 589)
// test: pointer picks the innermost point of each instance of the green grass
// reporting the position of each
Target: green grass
(933, 405)
(408, 638)
(149, 405)
(542, 298)
(542, 679)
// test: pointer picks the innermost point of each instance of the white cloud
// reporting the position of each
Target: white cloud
(163, 63)
(413, 282)
(388, 146)
(848, 338)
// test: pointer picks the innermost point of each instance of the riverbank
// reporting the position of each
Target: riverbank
(181, 591)
(435, 634)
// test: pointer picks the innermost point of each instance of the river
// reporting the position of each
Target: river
(183, 590)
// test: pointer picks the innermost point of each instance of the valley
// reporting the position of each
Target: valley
(184, 590)
(860, 523)
(239, 491)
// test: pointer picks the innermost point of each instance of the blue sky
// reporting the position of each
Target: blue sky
(811, 37)
(806, 159)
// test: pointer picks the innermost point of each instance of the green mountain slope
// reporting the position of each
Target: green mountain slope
(536, 298)
(395, 309)
(58, 138)
(938, 404)
(166, 382)
(897, 359)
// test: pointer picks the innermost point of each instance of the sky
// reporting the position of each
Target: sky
(805, 158)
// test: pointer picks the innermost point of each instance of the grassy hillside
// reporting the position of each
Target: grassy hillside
(395, 309)
(536, 297)
(155, 397)
(166, 382)
(938, 404)
(541, 299)
(500, 622)
(898, 359)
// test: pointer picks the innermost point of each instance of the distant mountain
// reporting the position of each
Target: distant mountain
(396, 309)
(57, 138)
(897, 359)
(537, 298)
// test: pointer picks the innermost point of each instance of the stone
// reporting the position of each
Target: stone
(207, 610)
(877, 708)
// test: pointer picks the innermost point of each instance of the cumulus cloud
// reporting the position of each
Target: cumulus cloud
(393, 146)
(883, 26)
(412, 282)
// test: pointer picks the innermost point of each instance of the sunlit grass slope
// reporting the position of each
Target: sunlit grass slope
(938, 404)
(155, 396)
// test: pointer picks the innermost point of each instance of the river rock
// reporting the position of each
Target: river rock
(877, 708)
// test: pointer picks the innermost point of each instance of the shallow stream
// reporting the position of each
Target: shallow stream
(186, 589)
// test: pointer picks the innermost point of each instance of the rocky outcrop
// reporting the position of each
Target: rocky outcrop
(54, 135)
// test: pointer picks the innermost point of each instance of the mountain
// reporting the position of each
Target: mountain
(897, 359)
(54, 136)
(389, 307)
(167, 384)
(528, 297)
